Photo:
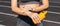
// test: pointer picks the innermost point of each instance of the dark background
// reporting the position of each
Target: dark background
(10, 20)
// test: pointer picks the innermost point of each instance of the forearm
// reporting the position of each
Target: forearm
(19, 11)
(40, 8)
(45, 5)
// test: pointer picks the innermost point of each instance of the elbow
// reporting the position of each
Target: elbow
(14, 9)
(46, 6)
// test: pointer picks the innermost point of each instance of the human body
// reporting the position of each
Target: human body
(26, 14)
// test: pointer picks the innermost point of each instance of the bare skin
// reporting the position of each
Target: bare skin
(33, 16)
(36, 7)
(45, 5)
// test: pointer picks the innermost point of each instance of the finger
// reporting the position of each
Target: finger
(34, 18)
(37, 18)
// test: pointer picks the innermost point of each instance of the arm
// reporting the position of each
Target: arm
(15, 7)
(45, 5)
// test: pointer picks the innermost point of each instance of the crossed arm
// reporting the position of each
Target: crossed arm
(45, 5)
(14, 6)
(20, 11)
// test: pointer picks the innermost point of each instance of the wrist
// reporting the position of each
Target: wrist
(32, 10)
(29, 13)
(26, 12)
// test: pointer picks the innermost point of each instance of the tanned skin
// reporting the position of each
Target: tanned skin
(36, 7)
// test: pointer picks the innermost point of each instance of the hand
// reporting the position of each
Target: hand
(35, 18)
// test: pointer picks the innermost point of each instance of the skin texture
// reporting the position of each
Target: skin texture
(29, 6)
(25, 8)
(45, 5)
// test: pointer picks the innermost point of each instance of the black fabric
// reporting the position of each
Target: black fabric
(24, 1)
(26, 19)
(29, 0)
(23, 23)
